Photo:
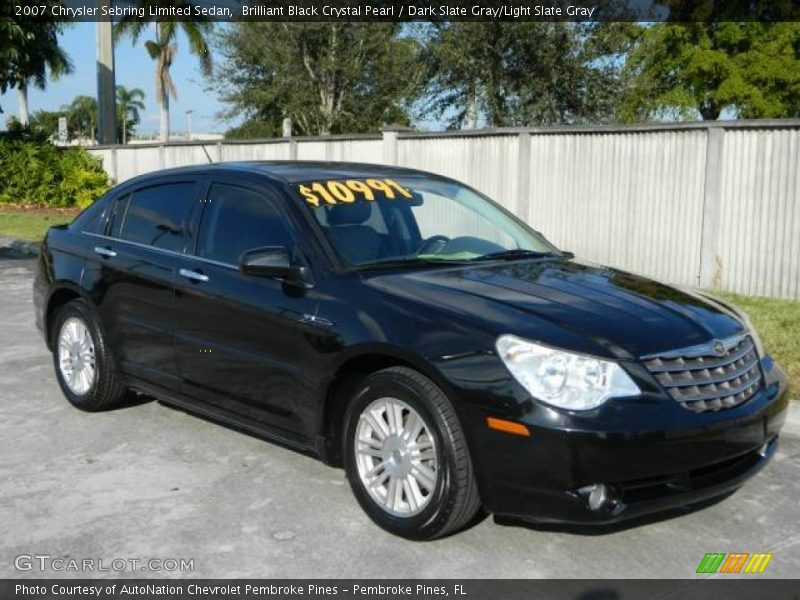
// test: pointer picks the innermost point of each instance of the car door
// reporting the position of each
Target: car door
(132, 273)
(240, 339)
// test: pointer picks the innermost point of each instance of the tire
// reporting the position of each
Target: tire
(105, 389)
(426, 508)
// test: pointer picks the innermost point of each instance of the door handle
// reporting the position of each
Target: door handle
(107, 252)
(193, 275)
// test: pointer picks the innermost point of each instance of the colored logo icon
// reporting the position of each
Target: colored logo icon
(734, 562)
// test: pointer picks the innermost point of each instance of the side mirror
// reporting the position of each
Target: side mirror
(274, 262)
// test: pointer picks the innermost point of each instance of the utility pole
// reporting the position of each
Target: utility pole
(189, 114)
(106, 87)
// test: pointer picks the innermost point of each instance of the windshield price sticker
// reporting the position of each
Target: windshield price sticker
(352, 190)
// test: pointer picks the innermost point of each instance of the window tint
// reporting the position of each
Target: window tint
(439, 215)
(93, 219)
(436, 220)
(235, 220)
(157, 215)
(117, 216)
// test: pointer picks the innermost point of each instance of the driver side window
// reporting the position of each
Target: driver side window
(237, 219)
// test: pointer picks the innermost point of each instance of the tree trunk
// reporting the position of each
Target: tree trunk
(709, 110)
(124, 127)
(164, 135)
(471, 114)
(22, 101)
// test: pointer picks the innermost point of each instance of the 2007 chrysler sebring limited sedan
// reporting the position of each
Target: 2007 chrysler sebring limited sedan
(406, 327)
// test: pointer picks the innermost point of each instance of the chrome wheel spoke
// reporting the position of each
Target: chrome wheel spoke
(396, 457)
(378, 428)
(371, 442)
(424, 443)
(74, 332)
(73, 378)
(376, 471)
(83, 380)
(86, 344)
(391, 493)
(370, 451)
(424, 476)
(413, 493)
(379, 480)
(422, 455)
(391, 415)
(413, 427)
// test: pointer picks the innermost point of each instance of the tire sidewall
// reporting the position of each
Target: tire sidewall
(79, 310)
(433, 517)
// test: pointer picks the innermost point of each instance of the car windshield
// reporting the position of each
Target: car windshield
(413, 220)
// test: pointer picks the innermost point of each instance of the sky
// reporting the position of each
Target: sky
(134, 69)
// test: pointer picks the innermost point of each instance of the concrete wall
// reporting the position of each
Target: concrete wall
(713, 205)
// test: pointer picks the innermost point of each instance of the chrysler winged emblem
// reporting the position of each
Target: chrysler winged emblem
(719, 348)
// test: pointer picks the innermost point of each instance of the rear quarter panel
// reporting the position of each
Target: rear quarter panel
(60, 267)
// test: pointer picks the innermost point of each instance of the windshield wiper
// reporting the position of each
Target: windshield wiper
(399, 263)
(515, 254)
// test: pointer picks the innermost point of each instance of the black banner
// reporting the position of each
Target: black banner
(733, 588)
(406, 10)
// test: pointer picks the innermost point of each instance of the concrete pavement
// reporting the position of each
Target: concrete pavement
(152, 482)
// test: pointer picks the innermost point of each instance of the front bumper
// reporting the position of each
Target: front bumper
(651, 456)
(634, 498)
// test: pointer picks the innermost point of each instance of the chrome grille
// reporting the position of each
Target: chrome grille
(711, 377)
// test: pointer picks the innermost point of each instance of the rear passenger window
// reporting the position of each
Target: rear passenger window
(235, 220)
(117, 216)
(157, 215)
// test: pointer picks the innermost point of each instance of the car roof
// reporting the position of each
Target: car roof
(292, 171)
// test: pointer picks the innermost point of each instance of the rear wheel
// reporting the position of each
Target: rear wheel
(82, 360)
(406, 457)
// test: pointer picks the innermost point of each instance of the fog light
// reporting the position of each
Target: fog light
(766, 448)
(599, 496)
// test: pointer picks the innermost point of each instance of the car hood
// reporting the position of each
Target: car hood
(628, 315)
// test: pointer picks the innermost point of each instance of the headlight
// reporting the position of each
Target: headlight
(561, 378)
(753, 333)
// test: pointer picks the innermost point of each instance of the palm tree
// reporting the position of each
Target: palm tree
(163, 48)
(29, 51)
(82, 115)
(129, 103)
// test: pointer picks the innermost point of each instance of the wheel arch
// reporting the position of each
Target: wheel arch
(58, 297)
(351, 370)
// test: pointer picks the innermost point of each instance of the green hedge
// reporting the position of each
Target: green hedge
(38, 173)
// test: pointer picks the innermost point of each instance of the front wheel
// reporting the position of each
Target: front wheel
(406, 457)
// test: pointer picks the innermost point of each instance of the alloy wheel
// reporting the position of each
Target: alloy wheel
(395, 455)
(76, 358)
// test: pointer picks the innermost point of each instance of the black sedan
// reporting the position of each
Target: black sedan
(406, 327)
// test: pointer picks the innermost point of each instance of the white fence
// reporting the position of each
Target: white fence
(712, 205)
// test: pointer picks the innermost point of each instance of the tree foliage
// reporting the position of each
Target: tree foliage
(29, 50)
(129, 103)
(36, 173)
(516, 73)
(82, 117)
(42, 126)
(326, 77)
(256, 127)
(682, 70)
